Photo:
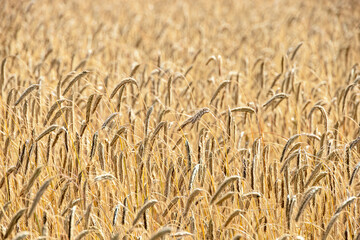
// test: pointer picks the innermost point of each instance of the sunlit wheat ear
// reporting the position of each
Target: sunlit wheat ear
(4, 208)
(232, 216)
(193, 175)
(310, 194)
(356, 169)
(55, 106)
(313, 174)
(279, 96)
(188, 152)
(251, 195)
(347, 90)
(38, 196)
(168, 180)
(147, 119)
(94, 144)
(59, 113)
(74, 80)
(161, 233)
(44, 228)
(170, 205)
(210, 230)
(329, 226)
(290, 157)
(96, 103)
(122, 83)
(157, 130)
(67, 78)
(289, 210)
(57, 135)
(108, 119)
(27, 92)
(123, 218)
(88, 107)
(225, 197)
(211, 59)
(345, 204)
(22, 235)
(31, 181)
(117, 135)
(168, 96)
(13, 222)
(2, 75)
(81, 64)
(296, 50)
(162, 114)
(83, 234)
(240, 110)
(191, 199)
(83, 126)
(134, 67)
(8, 102)
(194, 118)
(181, 234)
(226, 182)
(104, 177)
(62, 195)
(324, 114)
(8, 172)
(188, 70)
(22, 155)
(320, 176)
(71, 222)
(46, 132)
(116, 212)
(146, 206)
(293, 138)
(101, 158)
(87, 215)
(221, 86)
(351, 145)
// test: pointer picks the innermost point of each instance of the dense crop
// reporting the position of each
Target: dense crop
(179, 119)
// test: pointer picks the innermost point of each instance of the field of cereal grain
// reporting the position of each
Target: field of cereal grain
(159, 119)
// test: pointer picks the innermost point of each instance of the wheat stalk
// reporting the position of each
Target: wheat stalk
(129, 80)
(310, 194)
(196, 117)
(46, 132)
(161, 233)
(38, 195)
(221, 86)
(13, 222)
(226, 182)
(143, 209)
(191, 199)
(74, 80)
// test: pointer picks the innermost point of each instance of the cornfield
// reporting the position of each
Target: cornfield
(179, 119)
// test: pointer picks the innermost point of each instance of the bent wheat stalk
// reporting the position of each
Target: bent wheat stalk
(38, 196)
(13, 222)
(161, 233)
(129, 80)
(75, 79)
(226, 182)
(194, 118)
(27, 92)
(146, 206)
(46, 132)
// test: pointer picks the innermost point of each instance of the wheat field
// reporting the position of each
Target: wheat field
(161, 119)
